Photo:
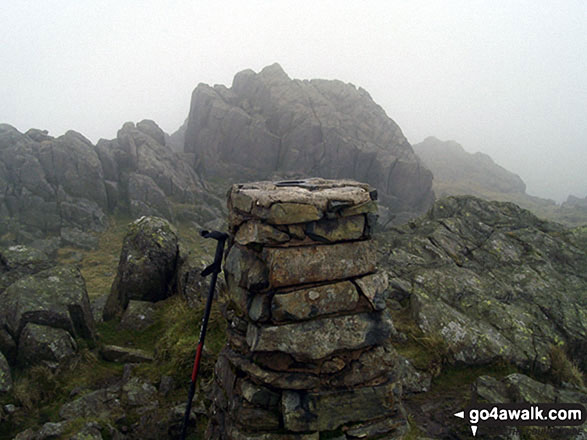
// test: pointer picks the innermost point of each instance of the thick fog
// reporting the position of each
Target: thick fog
(508, 78)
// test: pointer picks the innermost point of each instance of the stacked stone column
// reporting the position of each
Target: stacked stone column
(308, 355)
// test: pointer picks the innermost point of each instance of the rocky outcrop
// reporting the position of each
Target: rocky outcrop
(268, 125)
(66, 186)
(492, 281)
(147, 266)
(19, 261)
(42, 314)
(308, 352)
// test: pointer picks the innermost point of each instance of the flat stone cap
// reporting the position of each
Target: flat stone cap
(295, 201)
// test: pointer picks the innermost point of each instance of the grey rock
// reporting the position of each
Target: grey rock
(138, 315)
(318, 127)
(5, 375)
(481, 275)
(321, 337)
(337, 229)
(374, 287)
(139, 393)
(102, 403)
(314, 301)
(51, 430)
(326, 411)
(17, 261)
(255, 232)
(55, 297)
(40, 344)
(147, 265)
(115, 353)
(245, 269)
(79, 239)
(305, 264)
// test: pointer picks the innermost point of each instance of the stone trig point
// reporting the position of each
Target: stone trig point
(307, 351)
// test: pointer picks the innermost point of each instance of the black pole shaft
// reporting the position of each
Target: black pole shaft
(215, 268)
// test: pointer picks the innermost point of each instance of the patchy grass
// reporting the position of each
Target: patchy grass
(426, 352)
(563, 369)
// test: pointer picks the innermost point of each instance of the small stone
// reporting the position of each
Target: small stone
(256, 232)
(338, 229)
(166, 385)
(115, 353)
(258, 395)
(296, 231)
(374, 287)
(138, 316)
(369, 207)
(245, 268)
(260, 309)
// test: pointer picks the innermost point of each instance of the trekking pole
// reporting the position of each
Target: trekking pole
(213, 269)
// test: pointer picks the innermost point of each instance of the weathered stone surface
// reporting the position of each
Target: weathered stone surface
(138, 316)
(256, 419)
(5, 375)
(482, 275)
(397, 426)
(318, 338)
(136, 392)
(258, 395)
(103, 403)
(115, 353)
(518, 387)
(314, 301)
(77, 238)
(56, 297)
(374, 287)
(51, 430)
(289, 213)
(147, 265)
(310, 264)
(337, 229)
(235, 434)
(7, 345)
(42, 344)
(260, 307)
(326, 411)
(372, 364)
(321, 127)
(243, 268)
(306, 198)
(291, 381)
(256, 232)
(19, 261)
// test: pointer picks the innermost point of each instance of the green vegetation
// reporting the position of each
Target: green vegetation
(563, 369)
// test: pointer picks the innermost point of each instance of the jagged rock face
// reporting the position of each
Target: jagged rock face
(269, 125)
(493, 281)
(454, 168)
(66, 186)
(49, 183)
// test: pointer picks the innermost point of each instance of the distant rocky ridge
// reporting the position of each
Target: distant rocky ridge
(66, 186)
(475, 173)
(457, 172)
(269, 126)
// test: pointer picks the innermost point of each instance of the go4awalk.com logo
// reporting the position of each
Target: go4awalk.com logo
(523, 414)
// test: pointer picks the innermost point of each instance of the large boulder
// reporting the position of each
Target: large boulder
(41, 344)
(269, 125)
(55, 297)
(147, 266)
(19, 261)
(492, 281)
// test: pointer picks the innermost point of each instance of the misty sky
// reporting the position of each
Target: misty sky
(508, 78)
